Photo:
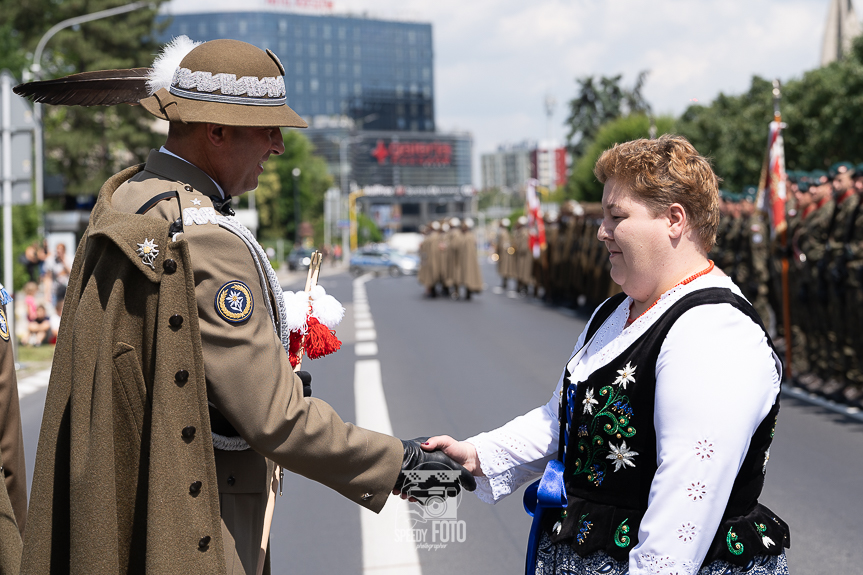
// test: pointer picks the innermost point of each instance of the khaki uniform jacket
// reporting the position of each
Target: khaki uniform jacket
(471, 274)
(13, 488)
(241, 368)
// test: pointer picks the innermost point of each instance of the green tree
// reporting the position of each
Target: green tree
(275, 194)
(583, 185)
(85, 145)
(598, 102)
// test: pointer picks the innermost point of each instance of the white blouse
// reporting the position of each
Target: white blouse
(716, 380)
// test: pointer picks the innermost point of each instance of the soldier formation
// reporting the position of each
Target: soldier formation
(448, 260)
(824, 245)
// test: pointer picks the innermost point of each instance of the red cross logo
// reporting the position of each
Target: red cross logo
(380, 152)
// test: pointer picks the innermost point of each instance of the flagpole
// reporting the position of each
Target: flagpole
(783, 241)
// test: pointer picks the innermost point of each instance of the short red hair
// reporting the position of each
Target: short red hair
(666, 171)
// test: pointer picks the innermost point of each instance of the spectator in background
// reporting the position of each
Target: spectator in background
(55, 320)
(30, 289)
(31, 262)
(337, 253)
(39, 327)
(59, 268)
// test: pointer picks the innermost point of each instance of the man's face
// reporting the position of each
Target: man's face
(245, 151)
(842, 181)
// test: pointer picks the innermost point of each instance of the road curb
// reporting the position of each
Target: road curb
(797, 393)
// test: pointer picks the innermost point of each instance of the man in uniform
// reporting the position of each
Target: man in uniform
(174, 327)
(13, 488)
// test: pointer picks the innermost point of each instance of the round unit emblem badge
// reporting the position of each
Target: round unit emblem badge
(4, 326)
(234, 302)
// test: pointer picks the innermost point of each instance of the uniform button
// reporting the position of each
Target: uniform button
(366, 496)
(231, 480)
(202, 544)
(170, 266)
(181, 376)
(188, 188)
(195, 488)
(176, 320)
(189, 432)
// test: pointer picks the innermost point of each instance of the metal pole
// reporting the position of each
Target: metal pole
(6, 105)
(343, 173)
(296, 173)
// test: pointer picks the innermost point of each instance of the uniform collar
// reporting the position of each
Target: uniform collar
(173, 167)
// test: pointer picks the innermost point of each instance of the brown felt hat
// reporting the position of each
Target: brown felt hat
(226, 82)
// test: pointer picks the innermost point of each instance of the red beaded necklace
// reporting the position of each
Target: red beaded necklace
(705, 271)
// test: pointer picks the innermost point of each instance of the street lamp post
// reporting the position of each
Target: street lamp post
(296, 173)
(35, 73)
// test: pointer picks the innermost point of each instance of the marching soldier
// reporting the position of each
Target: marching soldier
(505, 253)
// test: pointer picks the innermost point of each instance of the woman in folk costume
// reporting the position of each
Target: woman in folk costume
(664, 448)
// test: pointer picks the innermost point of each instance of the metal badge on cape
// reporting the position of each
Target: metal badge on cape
(4, 326)
(148, 252)
(234, 302)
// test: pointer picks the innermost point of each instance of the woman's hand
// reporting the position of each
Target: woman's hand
(460, 451)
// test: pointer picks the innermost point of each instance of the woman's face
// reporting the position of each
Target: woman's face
(635, 239)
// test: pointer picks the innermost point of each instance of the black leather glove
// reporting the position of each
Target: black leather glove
(306, 378)
(421, 469)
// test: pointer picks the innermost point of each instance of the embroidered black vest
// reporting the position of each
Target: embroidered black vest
(611, 416)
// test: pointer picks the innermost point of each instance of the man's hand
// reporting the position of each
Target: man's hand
(306, 378)
(416, 459)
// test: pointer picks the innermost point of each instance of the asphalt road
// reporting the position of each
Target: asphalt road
(464, 367)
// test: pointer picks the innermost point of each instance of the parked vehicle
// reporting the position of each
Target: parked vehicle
(380, 259)
(300, 259)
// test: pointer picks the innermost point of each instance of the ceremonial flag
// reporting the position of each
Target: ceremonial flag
(771, 187)
(535, 225)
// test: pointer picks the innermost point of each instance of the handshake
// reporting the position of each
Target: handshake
(423, 469)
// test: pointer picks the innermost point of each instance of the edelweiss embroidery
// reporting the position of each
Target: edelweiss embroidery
(610, 419)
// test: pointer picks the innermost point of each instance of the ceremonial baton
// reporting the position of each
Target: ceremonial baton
(311, 281)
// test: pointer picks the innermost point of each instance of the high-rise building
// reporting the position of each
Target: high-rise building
(377, 72)
(509, 168)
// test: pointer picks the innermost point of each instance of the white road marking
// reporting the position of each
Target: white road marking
(366, 335)
(383, 551)
(33, 383)
(364, 324)
(364, 348)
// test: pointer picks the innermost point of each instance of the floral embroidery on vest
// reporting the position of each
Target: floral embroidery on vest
(612, 419)
(620, 537)
(584, 530)
(734, 546)
(765, 540)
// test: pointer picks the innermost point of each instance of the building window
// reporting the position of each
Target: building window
(328, 50)
(330, 107)
(313, 50)
(412, 37)
(244, 27)
(410, 209)
(357, 53)
(427, 91)
(184, 29)
(343, 88)
(283, 26)
(440, 209)
(343, 51)
(298, 31)
(328, 69)
(413, 54)
(414, 126)
(327, 30)
(283, 47)
(202, 29)
(358, 70)
(329, 88)
(298, 87)
(313, 31)
(356, 32)
(313, 68)
(299, 68)
(400, 90)
(414, 89)
(298, 49)
(343, 68)
(313, 85)
(426, 73)
(343, 32)
(222, 27)
(358, 89)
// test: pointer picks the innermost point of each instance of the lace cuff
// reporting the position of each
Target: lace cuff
(497, 485)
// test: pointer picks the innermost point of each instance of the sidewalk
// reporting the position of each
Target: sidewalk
(291, 279)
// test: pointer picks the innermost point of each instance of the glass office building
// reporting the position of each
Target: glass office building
(377, 72)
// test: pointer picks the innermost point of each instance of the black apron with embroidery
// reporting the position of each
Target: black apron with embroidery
(608, 485)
